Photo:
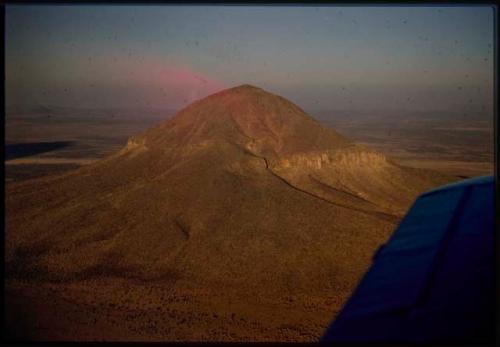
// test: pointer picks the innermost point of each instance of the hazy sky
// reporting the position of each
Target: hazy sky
(319, 57)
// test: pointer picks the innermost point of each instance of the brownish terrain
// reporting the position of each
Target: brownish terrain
(240, 218)
(453, 143)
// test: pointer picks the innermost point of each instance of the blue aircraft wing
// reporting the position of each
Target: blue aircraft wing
(433, 281)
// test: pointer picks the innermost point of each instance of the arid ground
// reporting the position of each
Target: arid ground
(239, 219)
(455, 143)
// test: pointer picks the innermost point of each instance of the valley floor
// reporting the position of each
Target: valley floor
(120, 310)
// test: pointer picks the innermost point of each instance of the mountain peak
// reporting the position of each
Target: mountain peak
(246, 87)
(249, 116)
(237, 188)
(242, 89)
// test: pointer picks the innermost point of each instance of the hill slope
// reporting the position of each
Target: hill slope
(241, 190)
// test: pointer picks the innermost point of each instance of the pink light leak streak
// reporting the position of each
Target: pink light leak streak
(177, 84)
(187, 83)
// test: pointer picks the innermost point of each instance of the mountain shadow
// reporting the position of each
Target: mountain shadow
(20, 150)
